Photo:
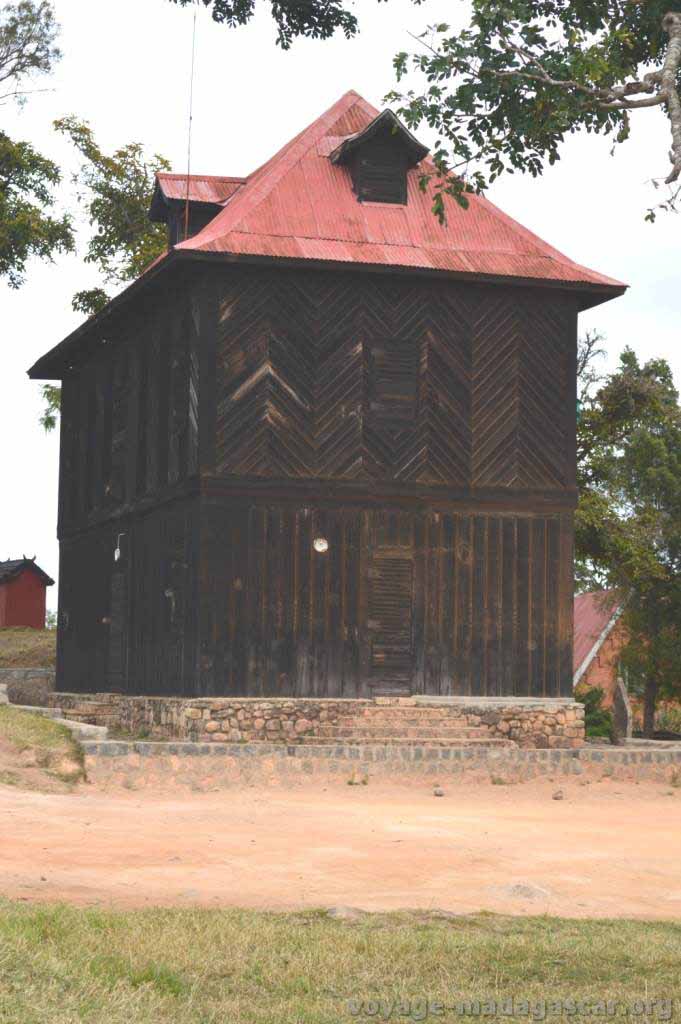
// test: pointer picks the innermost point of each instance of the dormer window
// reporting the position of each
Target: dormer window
(378, 159)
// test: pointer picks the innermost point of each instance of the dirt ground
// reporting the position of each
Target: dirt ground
(606, 850)
(20, 769)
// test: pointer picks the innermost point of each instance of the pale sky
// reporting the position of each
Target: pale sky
(126, 70)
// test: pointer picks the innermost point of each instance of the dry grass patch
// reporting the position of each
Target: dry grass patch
(27, 648)
(35, 749)
(61, 964)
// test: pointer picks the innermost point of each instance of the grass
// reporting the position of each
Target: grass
(27, 648)
(52, 743)
(62, 965)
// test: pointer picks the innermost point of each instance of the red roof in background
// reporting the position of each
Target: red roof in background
(594, 612)
(203, 188)
(300, 205)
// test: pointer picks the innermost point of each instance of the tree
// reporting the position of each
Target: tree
(27, 179)
(505, 93)
(314, 19)
(26, 229)
(115, 192)
(628, 522)
(28, 34)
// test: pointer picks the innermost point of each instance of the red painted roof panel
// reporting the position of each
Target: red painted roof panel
(300, 205)
(593, 612)
(203, 188)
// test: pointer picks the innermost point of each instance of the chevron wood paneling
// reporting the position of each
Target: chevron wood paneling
(520, 392)
(298, 378)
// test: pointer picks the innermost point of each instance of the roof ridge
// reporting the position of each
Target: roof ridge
(278, 165)
(205, 177)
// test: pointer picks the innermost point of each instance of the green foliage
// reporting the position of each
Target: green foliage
(28, 34)
(668, 719)
(505, 93)
(52, 398)
(115, 192)
(27, 179)
(26, 229)
(598, 722)
(89, 301)
(313, 19)
(628, 522)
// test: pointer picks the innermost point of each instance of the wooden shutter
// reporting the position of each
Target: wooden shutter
(380, 173)
(393, 383)
(390, 622)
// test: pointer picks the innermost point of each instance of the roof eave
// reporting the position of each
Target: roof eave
(594, 293)
(53, 364)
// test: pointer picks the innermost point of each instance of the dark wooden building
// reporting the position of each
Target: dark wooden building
(325, 446)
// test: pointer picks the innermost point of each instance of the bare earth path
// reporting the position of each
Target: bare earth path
(607, 850)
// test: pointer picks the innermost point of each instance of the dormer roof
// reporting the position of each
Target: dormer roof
(213, 190)
(386, 123)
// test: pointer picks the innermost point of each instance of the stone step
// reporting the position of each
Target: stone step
(84, 731)
(407, 741)
(397, 710)
(366, 720)
(4, 699)
(45, 712)
(381, 732)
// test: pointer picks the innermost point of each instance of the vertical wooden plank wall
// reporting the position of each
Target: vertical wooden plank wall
(489, 616)
(129, 451)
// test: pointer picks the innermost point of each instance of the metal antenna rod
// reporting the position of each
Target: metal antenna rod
(189, 129)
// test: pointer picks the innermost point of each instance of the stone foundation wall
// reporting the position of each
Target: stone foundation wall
(22, 675)
(207, 767)
(554, 723)
(206, 720)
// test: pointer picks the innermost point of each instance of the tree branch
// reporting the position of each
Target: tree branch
(668, 87)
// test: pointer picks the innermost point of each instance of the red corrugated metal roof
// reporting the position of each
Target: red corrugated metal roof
(300, 205)
(203, 188)
(593, 613)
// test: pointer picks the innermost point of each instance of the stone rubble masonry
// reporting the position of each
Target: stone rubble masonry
(21, 675)
(520, 722)
(214, 766)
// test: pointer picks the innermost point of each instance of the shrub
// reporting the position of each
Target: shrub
(598, 722)
(668, 720)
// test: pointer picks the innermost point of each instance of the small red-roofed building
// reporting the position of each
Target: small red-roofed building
(22, 593)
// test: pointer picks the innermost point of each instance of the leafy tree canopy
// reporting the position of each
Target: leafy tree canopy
(115, 191)
(28, 34)
(628, 522)
(26, 229)
(27, 179)
(315, 19)
(504, 94)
